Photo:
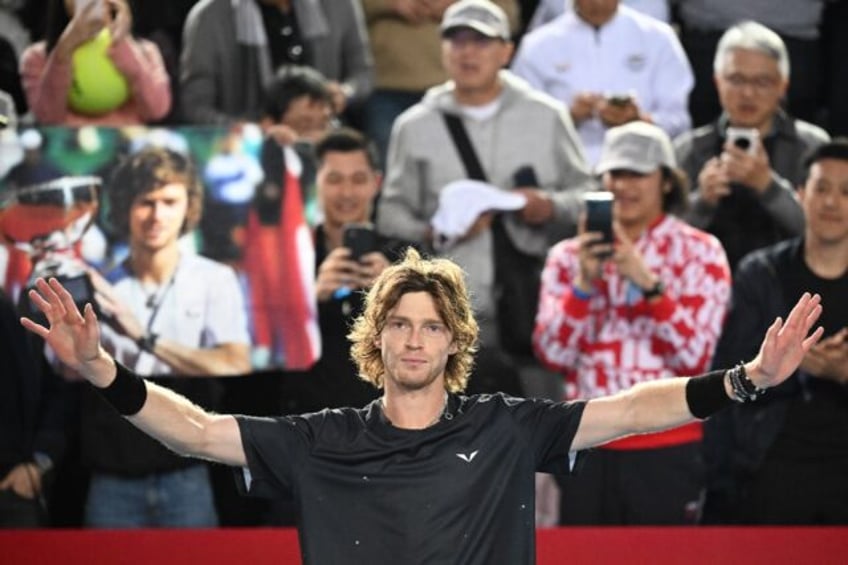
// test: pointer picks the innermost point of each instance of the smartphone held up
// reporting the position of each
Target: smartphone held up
(744, 138)
(599, 215)
(619, 99)
(360, 238)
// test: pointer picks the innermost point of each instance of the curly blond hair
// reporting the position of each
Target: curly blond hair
(444, 281)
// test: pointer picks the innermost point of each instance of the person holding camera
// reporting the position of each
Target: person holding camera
(795, 442)
(349, 255)
(746, 164)
(645, 303)
(611, 65)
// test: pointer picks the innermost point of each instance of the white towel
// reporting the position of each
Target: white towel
(461, 202)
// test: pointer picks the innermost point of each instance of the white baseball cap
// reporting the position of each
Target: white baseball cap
(483, 16)
(636, 146)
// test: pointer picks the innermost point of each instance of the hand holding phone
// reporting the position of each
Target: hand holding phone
(593, 251)
(620, 99)
(618, 109)
(599, 214)
(744, 138)
(360, 238)
(525, 177)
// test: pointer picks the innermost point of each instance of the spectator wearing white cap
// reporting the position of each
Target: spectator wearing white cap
(646, 307)
(405, 43)
(610, 64)
(511, 127)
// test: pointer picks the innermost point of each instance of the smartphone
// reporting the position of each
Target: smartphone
(525, 176)
(361, 239)
(599, 213)
(744, 138)
(620, 99)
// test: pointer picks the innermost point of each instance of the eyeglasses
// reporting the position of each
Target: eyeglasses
(761, 83)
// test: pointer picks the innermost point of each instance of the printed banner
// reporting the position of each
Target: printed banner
(196, 235)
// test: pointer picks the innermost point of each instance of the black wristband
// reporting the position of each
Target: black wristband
(127, 393)
(706, 395)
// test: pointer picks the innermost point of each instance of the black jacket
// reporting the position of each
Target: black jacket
(37, 403)
(333, 381)
(737, 440)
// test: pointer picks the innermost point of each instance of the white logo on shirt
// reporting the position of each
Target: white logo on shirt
(469, 457)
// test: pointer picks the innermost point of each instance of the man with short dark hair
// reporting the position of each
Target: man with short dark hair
(795, 442)
(348, 182)
(298, 105)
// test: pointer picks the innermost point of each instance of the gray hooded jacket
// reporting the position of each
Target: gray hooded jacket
(529, 128)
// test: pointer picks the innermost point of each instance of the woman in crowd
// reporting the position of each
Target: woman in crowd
(90, 70)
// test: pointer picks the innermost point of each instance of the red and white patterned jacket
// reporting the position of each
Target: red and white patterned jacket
(614, 339)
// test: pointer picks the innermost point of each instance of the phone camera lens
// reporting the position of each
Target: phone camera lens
(742, 142)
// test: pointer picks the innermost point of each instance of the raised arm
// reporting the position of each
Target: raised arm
(659, 405)
(170, 418)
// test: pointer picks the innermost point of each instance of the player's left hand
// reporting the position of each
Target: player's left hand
(786, 343)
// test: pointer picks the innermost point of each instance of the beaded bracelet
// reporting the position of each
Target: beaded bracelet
(744, 389)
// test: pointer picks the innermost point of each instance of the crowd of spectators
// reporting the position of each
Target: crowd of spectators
(711, 124)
